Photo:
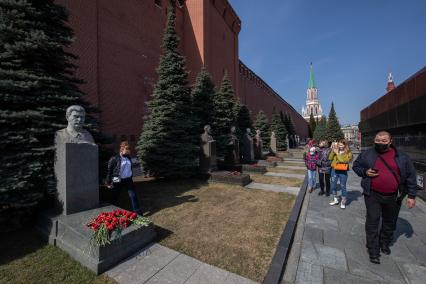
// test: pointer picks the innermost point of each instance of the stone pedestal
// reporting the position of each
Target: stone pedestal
(208, 157)
(76, 170)
(274, 144)
(234, 178)
(248, 149)
(254, 168)
(232, 153)
(70, 233)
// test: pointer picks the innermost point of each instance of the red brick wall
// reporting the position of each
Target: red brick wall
(413, 87)
(119, 45)
(258, 95)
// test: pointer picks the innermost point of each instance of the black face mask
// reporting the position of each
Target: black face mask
(381, 148)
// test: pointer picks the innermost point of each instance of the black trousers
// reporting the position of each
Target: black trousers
(384, 206)
(126, 184)
(324, 178)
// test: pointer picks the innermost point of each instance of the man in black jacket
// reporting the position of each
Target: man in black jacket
(388, 175)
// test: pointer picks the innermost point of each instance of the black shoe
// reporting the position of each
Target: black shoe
(385, 249)
(375, 259)
(327, 194)
(321, 193)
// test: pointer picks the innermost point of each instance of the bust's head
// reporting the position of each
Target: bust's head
(233, 130)
(248, 131)
(207, 129)
(75, 116)
(257, 131)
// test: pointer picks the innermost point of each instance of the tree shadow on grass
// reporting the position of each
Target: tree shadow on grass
(17, 244)
(157, 194)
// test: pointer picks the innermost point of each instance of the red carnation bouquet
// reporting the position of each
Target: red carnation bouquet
(107, 223)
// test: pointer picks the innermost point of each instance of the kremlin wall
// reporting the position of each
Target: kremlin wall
(119, 45)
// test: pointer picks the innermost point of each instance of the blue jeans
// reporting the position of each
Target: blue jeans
(312, 178)
(343, 177)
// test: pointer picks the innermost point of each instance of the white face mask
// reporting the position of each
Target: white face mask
(312, 153)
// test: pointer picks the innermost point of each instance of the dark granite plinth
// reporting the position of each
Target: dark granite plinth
(70, 233)
(266, 163)
(254, 168)
(230, 178)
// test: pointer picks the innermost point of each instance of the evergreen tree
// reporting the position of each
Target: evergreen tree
(37, 84)
(223, 114)
(320, 132)
(280, 131)
(288, 122)
(262, 123)
(167, 146)
(202, 100)
(243, 119)
(312, 125)
(334, 132)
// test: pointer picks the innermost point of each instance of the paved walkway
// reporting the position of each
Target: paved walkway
(329, 244)
(158, 264)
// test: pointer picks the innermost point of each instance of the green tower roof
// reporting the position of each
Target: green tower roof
(311, 84)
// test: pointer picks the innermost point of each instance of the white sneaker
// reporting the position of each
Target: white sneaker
(335, 201)
(343, 204)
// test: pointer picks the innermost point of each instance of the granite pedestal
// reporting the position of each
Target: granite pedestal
(254, 168)
(208, 157)
(230, 178)
(76, 170)
(70, 233)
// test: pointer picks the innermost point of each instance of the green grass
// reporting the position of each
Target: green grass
(25, 258)
(226, 226)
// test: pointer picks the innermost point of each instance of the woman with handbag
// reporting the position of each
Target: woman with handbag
(340, 157)
(119, 176)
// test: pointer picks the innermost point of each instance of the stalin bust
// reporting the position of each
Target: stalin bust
(74, 133)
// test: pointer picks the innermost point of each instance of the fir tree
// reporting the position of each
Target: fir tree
(202, 100)
(262, 123)
(334, 132)
(223, 114)
(320, 132)
(280, 131)
(243, 119)
(167, 146)
(312, 125)
(288, 122)
(37, 84)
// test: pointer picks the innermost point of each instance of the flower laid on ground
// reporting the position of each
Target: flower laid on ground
(115, 221)
(254, 165)
(235, 173)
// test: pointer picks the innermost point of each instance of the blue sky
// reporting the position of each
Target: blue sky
(353, 45)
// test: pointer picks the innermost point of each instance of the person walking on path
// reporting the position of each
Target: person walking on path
(119, 176)
(311, 160)
(324, 167)
(388, 175)
(340, 157)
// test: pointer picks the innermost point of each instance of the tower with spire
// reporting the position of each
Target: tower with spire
(313, 105)
(391, 85)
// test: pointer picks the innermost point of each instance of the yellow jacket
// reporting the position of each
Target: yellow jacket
(339, 158)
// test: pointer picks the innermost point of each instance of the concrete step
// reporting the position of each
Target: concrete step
(291, 167)
(273, 187)
(288, 175)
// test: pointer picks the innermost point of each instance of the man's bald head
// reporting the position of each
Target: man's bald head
(383, 137)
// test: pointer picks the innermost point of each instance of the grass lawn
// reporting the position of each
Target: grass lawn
(276, 180)
(225, 226)
(24, 258)
(289, 171)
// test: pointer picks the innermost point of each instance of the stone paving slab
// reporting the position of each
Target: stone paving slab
(159, 264)
(273, 187)
(291, 167)
(292, 160)
(287, 175)
(332, 246)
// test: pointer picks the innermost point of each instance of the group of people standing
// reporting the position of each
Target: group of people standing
(388, 176)
(331, 161)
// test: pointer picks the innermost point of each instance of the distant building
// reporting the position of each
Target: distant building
(313, 105)
(351, 133)
(401, 111)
